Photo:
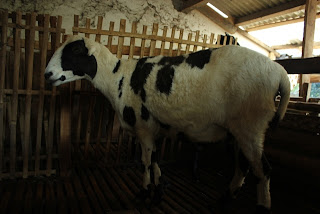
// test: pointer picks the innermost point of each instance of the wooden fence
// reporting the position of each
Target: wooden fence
(43, 129)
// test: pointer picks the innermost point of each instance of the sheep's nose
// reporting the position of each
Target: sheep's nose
(48, 75)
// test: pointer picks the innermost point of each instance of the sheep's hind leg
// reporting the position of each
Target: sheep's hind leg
(261, 169)
(158, 180)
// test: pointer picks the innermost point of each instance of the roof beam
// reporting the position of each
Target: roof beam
(271, 12)
(191, 5)
(261, 27)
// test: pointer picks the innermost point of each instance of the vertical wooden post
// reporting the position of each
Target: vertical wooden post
(307, 43)
(121, 38)
(3, 57)
(14, 110)
(43, 41)
(30, 53)
(153, 41)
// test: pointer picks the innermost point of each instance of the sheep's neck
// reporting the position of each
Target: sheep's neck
(105, 80)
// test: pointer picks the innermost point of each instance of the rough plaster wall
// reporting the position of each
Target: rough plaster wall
(145, 12)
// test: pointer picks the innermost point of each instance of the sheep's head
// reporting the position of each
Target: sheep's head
(74, 60)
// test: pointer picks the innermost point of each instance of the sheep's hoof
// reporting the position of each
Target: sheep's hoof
(262, 210)
(144, 194)
(158, 194)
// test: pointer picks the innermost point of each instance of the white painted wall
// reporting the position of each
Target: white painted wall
(145, 12)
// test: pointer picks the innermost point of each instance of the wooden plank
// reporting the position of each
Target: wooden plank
(180, 45)
(111, 30)
(43, 36)
(301, 66)
(87, 35)
(143, 41)
(99, 28)
(88, 128)
(188, 45)
(30, 53)
(62, 206)
(195, 47)
(14, 111)
(173, 32)
(121, 38)
(133, 40)
(155, 28)
(114, 201)
(105, 204)
(3, 56)
(80, 194)
(91, 193)
(72, 201)
(51, 202)
(272, 12)
(163, 43)
(38, 201)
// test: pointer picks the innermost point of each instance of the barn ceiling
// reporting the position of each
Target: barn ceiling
(250, 14)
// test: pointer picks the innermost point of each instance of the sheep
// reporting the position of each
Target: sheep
(205, 95)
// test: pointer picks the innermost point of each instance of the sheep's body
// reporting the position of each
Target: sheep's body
(204, 95)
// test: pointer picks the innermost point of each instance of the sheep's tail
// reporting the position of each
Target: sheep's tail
(284, 91)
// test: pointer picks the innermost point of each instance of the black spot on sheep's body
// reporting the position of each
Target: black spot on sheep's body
(164, 79)
(199, 59)
(166, 73)
(177, 60)
(120, 87)
(116, 68)
(129, 116)
(144, 113)
(139, 77)
(75, 58)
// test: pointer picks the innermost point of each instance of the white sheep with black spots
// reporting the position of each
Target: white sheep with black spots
(204, 95)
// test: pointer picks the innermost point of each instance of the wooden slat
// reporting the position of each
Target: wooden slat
(179, 45)
(3, 56)
(30, 53)
(153, 42)
(111, 28)
(188, 45)
(121, 38)
(99, 28)
(163, 43)
(195, 47)
(143, 41)
(87, 35)
(132, 40)
(43, 58)
(14, 110)
(173, 32)
(88, 128)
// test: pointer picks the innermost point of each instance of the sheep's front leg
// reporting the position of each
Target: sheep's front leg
(146, 143)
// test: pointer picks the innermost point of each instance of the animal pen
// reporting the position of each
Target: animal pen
(68, 147)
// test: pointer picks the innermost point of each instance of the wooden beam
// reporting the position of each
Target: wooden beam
(301, 66)
(316, 45)
(190, 5)
(282, 9)
(308, 38)
(265, 26)
(219, 20)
